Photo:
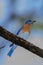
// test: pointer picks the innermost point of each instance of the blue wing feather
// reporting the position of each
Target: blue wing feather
(15, 46)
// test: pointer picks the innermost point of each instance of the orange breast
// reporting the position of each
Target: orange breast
(27, 28)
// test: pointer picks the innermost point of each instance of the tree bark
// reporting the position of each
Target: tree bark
(20, 42)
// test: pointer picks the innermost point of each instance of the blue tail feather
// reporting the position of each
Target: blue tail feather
(11, 51)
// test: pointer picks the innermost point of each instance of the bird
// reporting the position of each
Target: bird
(25, 28)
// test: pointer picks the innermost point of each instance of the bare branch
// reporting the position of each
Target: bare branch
(20, 42)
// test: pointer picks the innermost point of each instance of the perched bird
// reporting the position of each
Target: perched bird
(25, 28)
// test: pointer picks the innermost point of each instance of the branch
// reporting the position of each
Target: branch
(20, 42)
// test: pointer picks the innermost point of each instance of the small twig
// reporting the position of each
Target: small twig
(21, 42)
(2, 47)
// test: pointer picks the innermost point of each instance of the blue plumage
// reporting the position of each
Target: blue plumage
(15, 46)
(28, 22)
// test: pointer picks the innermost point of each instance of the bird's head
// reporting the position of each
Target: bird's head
(29, 22)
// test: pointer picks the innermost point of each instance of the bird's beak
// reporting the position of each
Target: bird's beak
(33, 21)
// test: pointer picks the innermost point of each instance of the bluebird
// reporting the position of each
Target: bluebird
(25, 28)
